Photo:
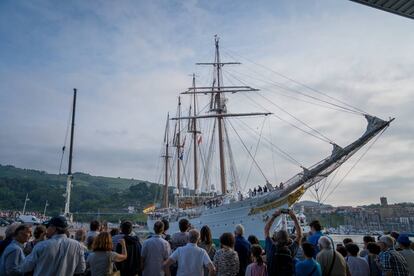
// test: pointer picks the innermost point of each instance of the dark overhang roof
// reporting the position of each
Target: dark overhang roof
(400, 7)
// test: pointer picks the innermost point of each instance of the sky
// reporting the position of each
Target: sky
(129, 61)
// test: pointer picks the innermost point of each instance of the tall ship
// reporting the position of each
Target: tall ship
(200, 174)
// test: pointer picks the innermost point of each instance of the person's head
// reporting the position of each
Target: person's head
(184, 225)
(352, 249)
(39, 232)
(166, 225)
(239, 230)
(253, 239)
(56, 225)
(257, 253)
(10, 230)
(80, 235)
(126, 227)
(94, 225)
(315, 226)
(373, 248)
(205, 235)
(281, 237)
(104, 226)
(158, 227)
(324, 243)
(347, 240)
(227, 240)
(193, 236)
(385, 242)
(114, 231)
(394, 235)
(367, 239)
(102, 242)
(342, 250)
(22, 233)
(308, 249)
(404, 241)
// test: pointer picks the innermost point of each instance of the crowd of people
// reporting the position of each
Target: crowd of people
(13, 215)
(100, 251)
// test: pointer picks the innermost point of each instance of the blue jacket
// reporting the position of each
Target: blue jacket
(242, 247)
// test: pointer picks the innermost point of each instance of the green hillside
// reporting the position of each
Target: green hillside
(89, 193)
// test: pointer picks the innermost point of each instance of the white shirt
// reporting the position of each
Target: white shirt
(190, 259)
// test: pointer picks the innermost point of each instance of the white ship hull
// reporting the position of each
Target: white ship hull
(224, 218)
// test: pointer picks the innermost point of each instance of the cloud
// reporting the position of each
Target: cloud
(130, 60)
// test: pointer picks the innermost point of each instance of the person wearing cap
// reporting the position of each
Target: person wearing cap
(13, 255)
(404, 244)
(58, 255)
(392, 262)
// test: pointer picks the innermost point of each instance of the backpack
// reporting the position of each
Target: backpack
(282, 262)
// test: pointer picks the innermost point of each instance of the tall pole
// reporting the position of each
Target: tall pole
(166, 156)
(70, 176)
(44, 210)
(219, 108)
(179, 150)
(196, 188)
(25, 201)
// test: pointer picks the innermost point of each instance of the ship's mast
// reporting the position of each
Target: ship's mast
(218, 106)
(195, 142)
(67, 213)
(166, 157)
(178, 147)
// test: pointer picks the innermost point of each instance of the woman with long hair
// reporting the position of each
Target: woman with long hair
(101, 261)
(206, 242)
(258, 267)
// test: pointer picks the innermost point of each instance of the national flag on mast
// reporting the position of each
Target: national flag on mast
(199, 139)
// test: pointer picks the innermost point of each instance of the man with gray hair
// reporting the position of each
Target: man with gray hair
(242, 247)
(190, 258)
(331, 261)
(392, 263)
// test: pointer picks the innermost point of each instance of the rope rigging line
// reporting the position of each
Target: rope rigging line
(327, 140)
(251, 156)
(273, 155)
(280, 86)
(357, 161)
(326, 187)
(284, 154)
(233, 168)
(322, 137)
(255, 152)
(299, 83)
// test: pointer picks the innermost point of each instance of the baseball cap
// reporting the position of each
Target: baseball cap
(59, 221)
